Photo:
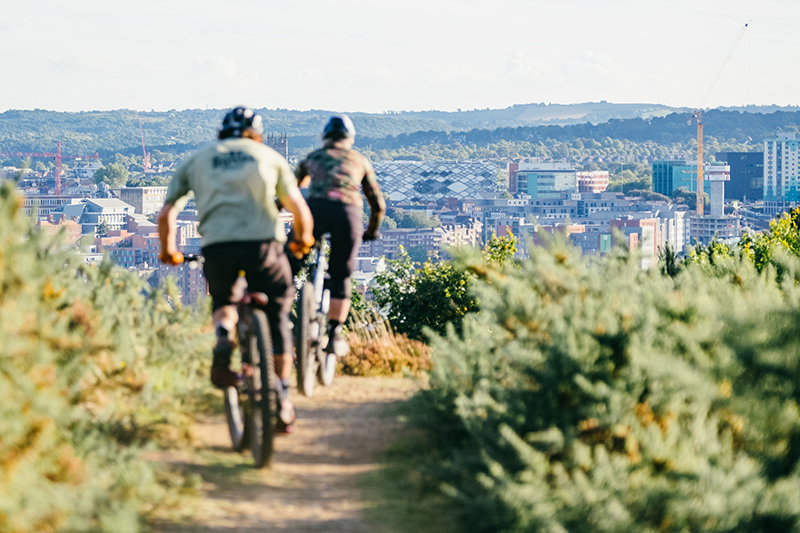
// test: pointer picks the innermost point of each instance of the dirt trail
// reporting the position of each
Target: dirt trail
(313, 484)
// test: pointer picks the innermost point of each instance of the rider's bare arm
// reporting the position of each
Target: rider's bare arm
(166, 231)
(302, 175)
(377, 206)
(303, 222)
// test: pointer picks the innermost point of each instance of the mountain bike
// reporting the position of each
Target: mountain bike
(313, 362)
(252, 409)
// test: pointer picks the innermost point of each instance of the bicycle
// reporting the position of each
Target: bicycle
(313, 363)
(252, 409)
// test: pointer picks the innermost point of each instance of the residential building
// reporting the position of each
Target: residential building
(43, 205)
(592, 181)
(431, 239)
(87, 169)
(673, 226)
(545, 234)
(781, 173)
(592, 242)
(646, 237)
(189, 280)
(72, 230)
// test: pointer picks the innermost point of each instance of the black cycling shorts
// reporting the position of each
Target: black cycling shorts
(266, 270)
(344, 223)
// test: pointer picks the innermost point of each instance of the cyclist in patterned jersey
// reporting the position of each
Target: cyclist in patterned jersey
(333, 175)
(235, 181)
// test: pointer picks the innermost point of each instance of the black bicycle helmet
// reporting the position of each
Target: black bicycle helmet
(239, 119)
(339, 127)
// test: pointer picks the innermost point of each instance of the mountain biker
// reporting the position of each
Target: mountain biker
(235, 181)
(333, 174)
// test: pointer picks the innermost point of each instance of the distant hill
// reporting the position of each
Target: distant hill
(109, 132)
(672, 128)
(541, 114)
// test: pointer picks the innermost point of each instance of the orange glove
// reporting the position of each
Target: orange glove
(175, 259)
(302, 248)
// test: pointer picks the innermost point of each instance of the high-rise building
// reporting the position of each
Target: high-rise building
(781, 173)
(747, 175)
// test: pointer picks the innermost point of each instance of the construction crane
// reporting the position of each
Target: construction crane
(144, 150)
(698, 116)
(58, 156)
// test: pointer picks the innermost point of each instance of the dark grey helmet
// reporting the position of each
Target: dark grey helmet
(339, 127)
(241, 118)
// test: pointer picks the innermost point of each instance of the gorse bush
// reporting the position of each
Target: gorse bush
(607, 398)
(92, 365)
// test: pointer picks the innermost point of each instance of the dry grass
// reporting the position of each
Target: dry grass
(376, 350)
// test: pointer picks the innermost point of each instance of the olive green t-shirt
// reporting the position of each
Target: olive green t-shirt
(235, 182)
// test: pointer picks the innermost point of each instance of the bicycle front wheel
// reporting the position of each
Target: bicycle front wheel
(306, 360)
(263, 392)
(236, 414)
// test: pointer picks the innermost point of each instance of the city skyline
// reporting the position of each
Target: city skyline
(372, 57)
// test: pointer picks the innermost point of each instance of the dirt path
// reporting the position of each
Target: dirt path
(313, 484)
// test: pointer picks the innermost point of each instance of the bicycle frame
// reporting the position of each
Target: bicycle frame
(318, 271)
(314, 302)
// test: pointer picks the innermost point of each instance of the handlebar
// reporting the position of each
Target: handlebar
(177, 259)
(300, 249)
(195, 260)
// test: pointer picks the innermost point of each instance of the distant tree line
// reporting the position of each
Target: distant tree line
(111, 132)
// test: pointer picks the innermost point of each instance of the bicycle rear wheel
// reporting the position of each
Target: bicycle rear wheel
(306, 360)
(262, 389)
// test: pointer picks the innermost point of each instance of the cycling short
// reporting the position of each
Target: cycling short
(345, 224)
(266, 270)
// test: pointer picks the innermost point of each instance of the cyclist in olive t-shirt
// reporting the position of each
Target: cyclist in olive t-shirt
(334, 174)
(235, 181)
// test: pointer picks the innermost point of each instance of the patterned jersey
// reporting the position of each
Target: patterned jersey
(337, 173)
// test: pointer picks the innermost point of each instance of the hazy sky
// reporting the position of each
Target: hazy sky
(379, 55)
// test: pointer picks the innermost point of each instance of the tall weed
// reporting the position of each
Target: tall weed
(376, 350)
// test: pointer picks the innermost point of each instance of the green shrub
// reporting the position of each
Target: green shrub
(92, 365)
(606, 398)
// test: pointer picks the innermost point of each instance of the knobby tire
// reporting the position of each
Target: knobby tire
(306, 356)
(236, 414)
(263, 394)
